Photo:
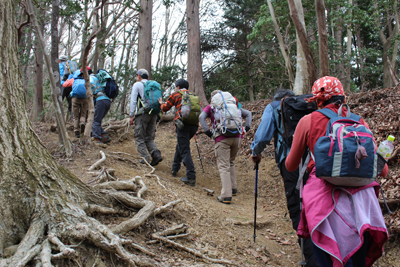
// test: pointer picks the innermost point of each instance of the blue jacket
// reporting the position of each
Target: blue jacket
(97, 89)
(267, 129)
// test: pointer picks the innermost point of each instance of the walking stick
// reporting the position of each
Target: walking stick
(201, 162)
(255, 202)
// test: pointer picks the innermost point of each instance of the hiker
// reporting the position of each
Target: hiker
(184, 132)
(79, 101)
(345, 223)
(226, 148)
(145, 123)
(268, 129)
(63, 65)
(101, 107)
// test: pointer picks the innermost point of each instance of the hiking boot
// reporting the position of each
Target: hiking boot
(156, 158)
(77, 134)
(225, 200)
(97, 141)
(105, 139)
(142, 161)
(234, 192)
(173, 173)
(82, 127)
(191, 182)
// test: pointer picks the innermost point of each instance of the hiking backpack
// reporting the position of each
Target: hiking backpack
(78, 88)
(287, 114)
(70, 67)
(111, 89)
(152, 92)
(228, 117)
(347, 154)
(190, 109)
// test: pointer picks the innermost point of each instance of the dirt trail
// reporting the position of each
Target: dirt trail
(212, 224)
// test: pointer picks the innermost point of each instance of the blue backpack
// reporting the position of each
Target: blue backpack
(78, 88)
(152, 92)
(347, 154)
(111, 89)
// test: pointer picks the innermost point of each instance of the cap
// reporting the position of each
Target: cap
(142, 72)
(63, 58)
(391, 138)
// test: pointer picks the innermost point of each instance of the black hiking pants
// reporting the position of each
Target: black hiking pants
(293, 205)
(182, 150)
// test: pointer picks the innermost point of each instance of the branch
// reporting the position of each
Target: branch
(103, 158)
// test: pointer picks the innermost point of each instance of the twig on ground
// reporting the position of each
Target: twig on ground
(96, 164)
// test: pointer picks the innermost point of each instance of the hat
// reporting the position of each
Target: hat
(324, 88)
(142, 72)
(87, 67)
(63, 58)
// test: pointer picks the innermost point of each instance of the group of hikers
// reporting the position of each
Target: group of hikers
(328, 161)
(327, 156)
(104, 89)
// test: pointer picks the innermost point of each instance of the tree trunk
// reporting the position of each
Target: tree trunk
(145, 26)
(348, 52)
(38, 95)
(288, 64)
(301, 82)
(59, 117)
(337, 30)
(195, 71)
(322, 38)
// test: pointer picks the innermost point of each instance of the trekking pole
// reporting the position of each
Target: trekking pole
(255, 202)
(302, 262)
(201, 162)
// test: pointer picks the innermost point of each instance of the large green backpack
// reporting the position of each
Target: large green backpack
(191, 109)
(152, 92)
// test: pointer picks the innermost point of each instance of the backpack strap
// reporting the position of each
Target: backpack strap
(68, 68)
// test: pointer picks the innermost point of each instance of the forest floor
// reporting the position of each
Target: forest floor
(214, 228)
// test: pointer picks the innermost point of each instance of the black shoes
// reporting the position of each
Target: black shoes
(225, 200)
(173, 173)
(77, 134)
(234, 192)
(191, 182)
(156, 158)
(82, 127)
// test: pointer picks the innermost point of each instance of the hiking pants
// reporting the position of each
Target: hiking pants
(79, 109)
(182, 150)
(293, 205)
(357, 260)
(65, 94)
(145, 132)
(225, 152)
(100, 111)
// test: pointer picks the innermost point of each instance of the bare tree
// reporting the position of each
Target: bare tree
(348, 50)
(145, 26)
(311, 68)
(288, 64)
(195, 71)
(322, 38)
(59, 117)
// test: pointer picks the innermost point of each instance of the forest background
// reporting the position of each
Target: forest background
(247, 47)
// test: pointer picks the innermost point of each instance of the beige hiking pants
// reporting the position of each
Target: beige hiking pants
(225, 152)
(79, 109)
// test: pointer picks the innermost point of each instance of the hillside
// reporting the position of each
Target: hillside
(216, 230)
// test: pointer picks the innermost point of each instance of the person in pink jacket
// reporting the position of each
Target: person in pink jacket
(345, 224)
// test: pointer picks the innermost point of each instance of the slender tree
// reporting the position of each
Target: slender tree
(145, 30)
(195, 71)
(322, 38)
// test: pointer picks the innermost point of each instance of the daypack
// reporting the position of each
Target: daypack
(69, 67)
(190, 109)
(347, 154)
(152, 92)
(111, 89)
(287, 114)
(78, 88)
(228, 117)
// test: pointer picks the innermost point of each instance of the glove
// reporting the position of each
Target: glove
(209, 133)
(247, 128)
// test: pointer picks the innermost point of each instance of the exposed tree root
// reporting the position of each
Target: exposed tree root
(178, 229)
(118, 185)
(251, 223)
(96, 164)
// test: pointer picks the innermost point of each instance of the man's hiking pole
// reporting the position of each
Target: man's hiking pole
(255, 202)
(201, 162)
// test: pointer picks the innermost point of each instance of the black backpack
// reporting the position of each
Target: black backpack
(293, 108)
(111, 89)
